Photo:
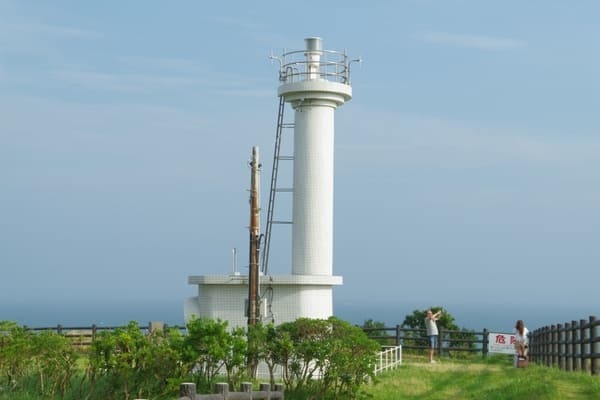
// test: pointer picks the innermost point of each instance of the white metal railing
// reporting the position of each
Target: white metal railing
(331, 66)
(389, 358)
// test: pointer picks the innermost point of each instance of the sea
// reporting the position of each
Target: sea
(495, 318)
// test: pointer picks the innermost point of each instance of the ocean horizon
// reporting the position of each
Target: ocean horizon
(495, 318)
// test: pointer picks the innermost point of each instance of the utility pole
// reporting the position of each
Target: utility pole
(253, 284)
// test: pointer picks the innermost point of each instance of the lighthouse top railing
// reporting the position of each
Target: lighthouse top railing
(297, 66)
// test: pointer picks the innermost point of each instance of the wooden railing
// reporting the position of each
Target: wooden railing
(82, 336)
(408, 338)
(449, 341)
(572, 346)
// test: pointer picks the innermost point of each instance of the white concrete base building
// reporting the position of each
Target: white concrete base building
(285, 298)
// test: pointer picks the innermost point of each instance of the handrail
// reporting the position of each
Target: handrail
(332, 66)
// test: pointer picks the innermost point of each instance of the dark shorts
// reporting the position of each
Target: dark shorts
(433, 341)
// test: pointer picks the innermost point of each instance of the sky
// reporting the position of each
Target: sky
(467, 164)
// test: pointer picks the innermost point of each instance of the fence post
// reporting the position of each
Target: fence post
(246, 387)
(398, 337)
(575, 346)
(187, 390)
(582, 344)
(222, 388)
(554, 345)
(561, 346)
(549, 330)
(594, 346)
(544, 343)
(568, 353)
(536, 347)
(265, 387)
(440, 343)
(531, 353)
(59, 329)
(486, 341)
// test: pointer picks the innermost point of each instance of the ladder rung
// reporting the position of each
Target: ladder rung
(282, 222)
(287, 125)
(287, 158)
(284, 190)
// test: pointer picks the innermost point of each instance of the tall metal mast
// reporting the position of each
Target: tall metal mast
(253, 284)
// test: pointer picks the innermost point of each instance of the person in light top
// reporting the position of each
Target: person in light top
(432, 331)
(521, 339)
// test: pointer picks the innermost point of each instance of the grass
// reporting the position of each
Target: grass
(494, 379)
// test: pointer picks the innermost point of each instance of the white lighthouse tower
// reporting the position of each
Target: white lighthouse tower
(314, 89)
(314, 82)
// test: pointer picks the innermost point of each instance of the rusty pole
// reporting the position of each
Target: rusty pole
(253, 284)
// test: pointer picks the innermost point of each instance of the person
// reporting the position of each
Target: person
(432, 331)
(521, 340)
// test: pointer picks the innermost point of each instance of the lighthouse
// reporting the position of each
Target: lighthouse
(314, 82)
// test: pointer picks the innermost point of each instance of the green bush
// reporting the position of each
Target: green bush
(325, 359)
(16, 355)
(320, 359)
(134, 364)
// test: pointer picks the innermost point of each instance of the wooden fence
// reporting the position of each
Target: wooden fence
(409, 338)
(82, 336)
(449, 341)
(572, 346)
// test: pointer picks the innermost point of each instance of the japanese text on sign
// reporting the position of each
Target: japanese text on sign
(501, 343)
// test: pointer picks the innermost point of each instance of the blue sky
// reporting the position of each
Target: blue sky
(467, 163)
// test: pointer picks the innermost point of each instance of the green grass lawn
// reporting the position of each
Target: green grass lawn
(493, 379)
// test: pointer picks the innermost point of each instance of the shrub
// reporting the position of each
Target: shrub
(325, 359)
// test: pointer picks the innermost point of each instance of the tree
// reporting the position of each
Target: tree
(352, 357)
(205, 348)
(16, 353)
(118, 355)
(376, 331)
(55, 361)
(236, 350)
(325, 359)
(133, 363)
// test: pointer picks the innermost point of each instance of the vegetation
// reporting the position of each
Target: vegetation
(492, 378)
(337, 353)
(320, 359)
(376, 331)
(46, 362)
(127, 364)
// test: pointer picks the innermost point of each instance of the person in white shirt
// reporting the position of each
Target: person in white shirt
(432, 331)
(521, 340)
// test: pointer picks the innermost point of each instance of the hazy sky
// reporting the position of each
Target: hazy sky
(467, 163)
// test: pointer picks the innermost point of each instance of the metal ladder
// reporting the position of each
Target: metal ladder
(281, 125)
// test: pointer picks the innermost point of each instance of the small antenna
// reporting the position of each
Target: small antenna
(234, 261)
